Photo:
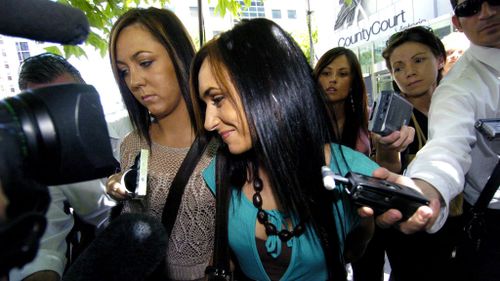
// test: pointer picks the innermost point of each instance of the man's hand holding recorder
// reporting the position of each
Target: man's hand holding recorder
(391, 134)
(422, 219)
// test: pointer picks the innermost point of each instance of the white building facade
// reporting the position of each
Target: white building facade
(363, 26)
(12, 52)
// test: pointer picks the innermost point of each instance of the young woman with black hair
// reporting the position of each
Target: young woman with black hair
(254, 87)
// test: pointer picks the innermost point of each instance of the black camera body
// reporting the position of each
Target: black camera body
(61, 132)
(382, 195)
(48, 136)
(489, 127)
(390, 112)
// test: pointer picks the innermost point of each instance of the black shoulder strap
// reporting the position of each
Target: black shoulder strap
(489, 190)
(221, 247)
(174, 196)
(220, 269)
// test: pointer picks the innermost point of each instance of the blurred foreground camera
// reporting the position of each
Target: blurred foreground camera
(48, 136)
(60, 132)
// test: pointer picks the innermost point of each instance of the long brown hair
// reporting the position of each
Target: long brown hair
(355, 110)
(170, 32)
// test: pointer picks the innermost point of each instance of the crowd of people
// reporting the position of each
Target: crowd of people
(246, 117)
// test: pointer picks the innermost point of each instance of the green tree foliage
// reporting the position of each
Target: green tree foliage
(303, 41)
(102, 14)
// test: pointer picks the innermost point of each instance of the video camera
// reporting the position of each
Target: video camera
(48, 136)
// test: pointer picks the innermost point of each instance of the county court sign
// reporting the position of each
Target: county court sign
(368, 20)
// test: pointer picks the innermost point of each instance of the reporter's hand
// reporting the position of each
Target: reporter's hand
(44, 275)
(422, 219)
(397, 140)
(115, 189)
(4, 202)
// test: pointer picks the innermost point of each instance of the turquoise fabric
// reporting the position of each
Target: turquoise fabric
(307, 260)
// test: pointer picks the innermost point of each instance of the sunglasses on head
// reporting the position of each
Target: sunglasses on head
(409, 33)
(471, 7)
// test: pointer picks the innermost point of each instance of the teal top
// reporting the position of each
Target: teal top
(307, 260)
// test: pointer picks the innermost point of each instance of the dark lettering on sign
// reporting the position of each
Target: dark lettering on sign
(375, 28)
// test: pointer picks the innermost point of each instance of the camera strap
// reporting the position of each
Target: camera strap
(475, 222)
(173, 201)
(489, 189)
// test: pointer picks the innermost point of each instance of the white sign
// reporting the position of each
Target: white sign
(368, 20)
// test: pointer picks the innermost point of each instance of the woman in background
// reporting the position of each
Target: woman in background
(339, 74)
(455, 44)
(415, 57)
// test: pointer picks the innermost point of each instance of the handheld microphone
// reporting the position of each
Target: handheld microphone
(330, 178)
(130, 248)
(43, 20)
(378, 194)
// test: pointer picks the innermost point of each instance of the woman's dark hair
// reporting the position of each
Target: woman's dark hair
(356, 112)
(169, 31)
(287, 118)
(418, 34)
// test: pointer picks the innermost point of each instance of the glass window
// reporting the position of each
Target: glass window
(276, 14)
(442, 31)
(292, 14)
(255, 10)
(212, 11)
(379, 47)
(366, 58)
(22, 46)
(23, 55)
(193, 11)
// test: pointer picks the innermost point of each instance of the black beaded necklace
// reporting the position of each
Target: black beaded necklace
(284, 235)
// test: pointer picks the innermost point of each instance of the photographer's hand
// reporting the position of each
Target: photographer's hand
(388, 148)
(115, 189)
(397, 140)
(4, 202)
(44, 275)
(422, 219)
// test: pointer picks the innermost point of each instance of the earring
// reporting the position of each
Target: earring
(352, 101)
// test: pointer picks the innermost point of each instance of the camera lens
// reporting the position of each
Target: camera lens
(129, 180)
(52, 127)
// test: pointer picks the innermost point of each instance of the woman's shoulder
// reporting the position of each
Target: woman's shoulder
(363, 142)
(132, 137)
(347, 159)
(208, 171)
(132, 142)
(208, 156)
